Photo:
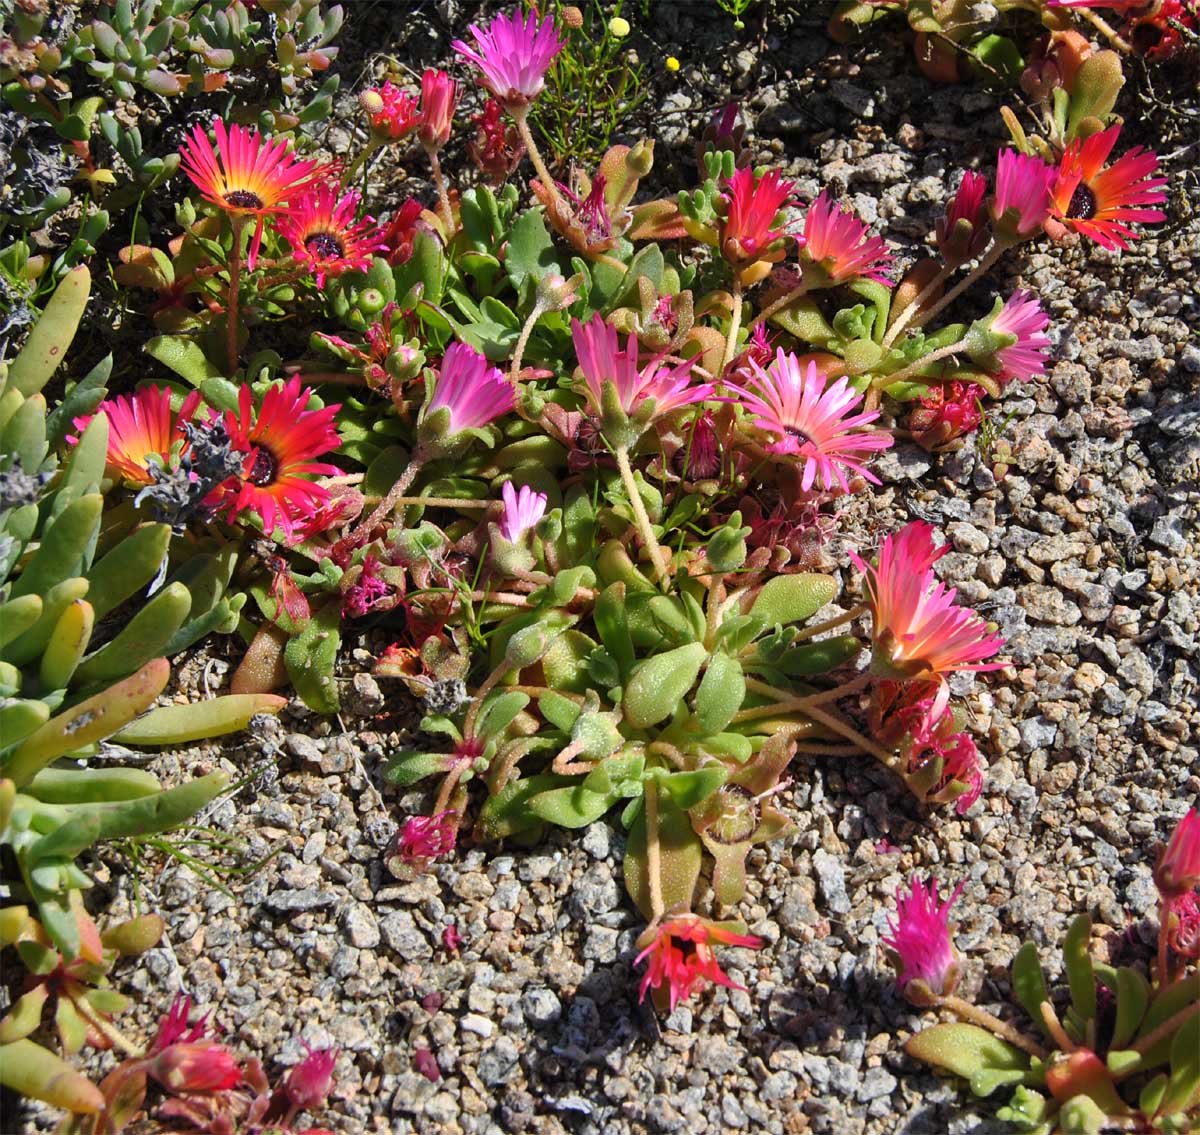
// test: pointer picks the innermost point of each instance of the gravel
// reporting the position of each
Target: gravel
(1085, 554)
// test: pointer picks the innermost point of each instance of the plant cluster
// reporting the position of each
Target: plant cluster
(63, 76)
(1036, 43)
(584, 457)
(1123, 1053)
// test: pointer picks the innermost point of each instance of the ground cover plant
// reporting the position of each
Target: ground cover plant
(583, 451)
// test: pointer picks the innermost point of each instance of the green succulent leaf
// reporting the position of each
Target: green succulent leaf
(967, 1050)
(1078, 963)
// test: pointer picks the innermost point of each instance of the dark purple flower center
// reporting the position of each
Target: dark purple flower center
(324, 246)
(798, 434)
(264, 469)
(243, 199)
(1083, 203)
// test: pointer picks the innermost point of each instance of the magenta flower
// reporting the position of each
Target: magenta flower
(174, 1027)
(427, 837)
(1182, 924)
(966, 205)
(308, 1083)
(196, 1066)
(921, 938)
(1023, 317)
(950, 410)
(1022, 186)
(367, 590)
(919, 630)
(522, 510)
(325, 236)
(751, 207)
(393, 113)
(1178, 867)
(513, 54)
(602, 359)
(837, 241)
(470, 388)
(439, 93)
(809, 415)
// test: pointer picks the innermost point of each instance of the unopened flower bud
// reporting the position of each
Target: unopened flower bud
(371, 101)
(196, 1067)
(556, 294)
(640, 159)
(571, 17)
(619, 26)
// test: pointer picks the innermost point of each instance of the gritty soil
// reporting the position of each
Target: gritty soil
(1085, 554)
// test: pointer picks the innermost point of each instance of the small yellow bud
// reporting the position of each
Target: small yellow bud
(619, 26)
(371, 101)
(672, 63)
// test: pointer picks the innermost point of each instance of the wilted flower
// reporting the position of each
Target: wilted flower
(325, 236)
(246, 176)
(141, 426)
(838, 242)
(700, 455)
(497, 148)
(1182, 924)
(196, 1066)
(950, 410)
(751, 206)
(392, 113)
(367, 590)
(1178, 868)
(439, 93)
(680, 955)
(451, 939)
(307, 1084)
(921, 939)
(1097, 200)
(513, 54)
(470, 388)
(919, 631)
(427, 837)
(280, 442)
(401, 230)
(522, 510)
(958, 243)
(1021, 202)
(810, 415)
(174, 1027)
(426, 1063)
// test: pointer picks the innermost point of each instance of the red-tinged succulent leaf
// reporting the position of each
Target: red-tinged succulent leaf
(657, 220)
(1083, 1073)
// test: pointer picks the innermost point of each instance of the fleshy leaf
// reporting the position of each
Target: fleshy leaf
(966, 1050)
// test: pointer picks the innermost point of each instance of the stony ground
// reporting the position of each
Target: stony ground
(1085, 554)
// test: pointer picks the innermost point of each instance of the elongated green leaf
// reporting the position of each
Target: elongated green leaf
(966, 1050)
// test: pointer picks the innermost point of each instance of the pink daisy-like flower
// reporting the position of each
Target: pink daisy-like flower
(1178, 868)
(680, 953)
(513, 54)
(439, 94)
(812, 419)
(522, 510)
(392, 113)
(837, 241)
(280, 442)
(1023, 317)
(427, 837)
(919, 631)
(921, 938)
(474, 391)
(325, 236)
(307, 1084)
(602, 359)
(246, 175)
(751, 206)
(142, 426)
(1022, 187)
(1097, 200)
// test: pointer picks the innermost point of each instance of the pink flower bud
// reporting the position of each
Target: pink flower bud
(202, 1066)
(307, 1085)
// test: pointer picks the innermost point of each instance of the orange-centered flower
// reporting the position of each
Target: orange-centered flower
(142, 426)
(246, 176)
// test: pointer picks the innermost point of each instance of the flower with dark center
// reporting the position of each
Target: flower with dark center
(143, 431)
(324, 235)
(246, 175)
(1099, 201)
(278, 444)
(680, 958)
